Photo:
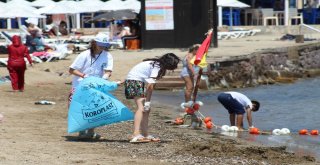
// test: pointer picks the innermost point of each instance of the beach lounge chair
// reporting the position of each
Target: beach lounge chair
(232, 34)
(35, 59)
(6, 36)
(60, 53)
(4, 61)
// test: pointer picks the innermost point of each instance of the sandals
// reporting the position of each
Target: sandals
(94, 136)
(139, 139)
(153, 139)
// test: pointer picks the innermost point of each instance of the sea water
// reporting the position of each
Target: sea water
(294, 106)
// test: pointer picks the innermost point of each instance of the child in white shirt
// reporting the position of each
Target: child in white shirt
(148, 72)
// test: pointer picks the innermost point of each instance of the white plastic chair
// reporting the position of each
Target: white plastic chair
(293, 15)
(256, 17)
(268, 14)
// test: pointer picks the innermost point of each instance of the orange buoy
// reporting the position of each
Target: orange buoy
(207, 119)
(178, 121)
(314, 132)
(303, 132)
(196, 106)
(209, 125)
(254, 131)
(189, 111)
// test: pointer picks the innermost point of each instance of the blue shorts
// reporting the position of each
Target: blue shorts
(231, 104)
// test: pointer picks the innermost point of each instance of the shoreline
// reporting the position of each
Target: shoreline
(36, 134)
(191, 146)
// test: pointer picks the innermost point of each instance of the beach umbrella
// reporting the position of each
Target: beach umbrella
(115, 15)
(114, 5)
(62, 7)
(19, 11)
(92, 105)
(229, 3)
(133, 5)
(42, 3)
(19, 3)
(90, 6)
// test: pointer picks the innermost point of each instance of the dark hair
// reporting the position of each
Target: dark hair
(166, 62)
(257, 105)
(194, 47)
(93, 48)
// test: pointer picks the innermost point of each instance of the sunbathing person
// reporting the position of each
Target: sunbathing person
(35, 42)
(129, 36)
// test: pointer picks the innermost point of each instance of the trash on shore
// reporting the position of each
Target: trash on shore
(44, 102)
(1, 117)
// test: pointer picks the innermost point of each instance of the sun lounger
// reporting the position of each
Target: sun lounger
(60, 53)
(4, 61)
(6, 36)
(35, 59)
(237, 33)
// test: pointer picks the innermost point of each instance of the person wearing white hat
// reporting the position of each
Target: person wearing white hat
(96, 62)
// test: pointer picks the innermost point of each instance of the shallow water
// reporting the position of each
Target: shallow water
(294, 106)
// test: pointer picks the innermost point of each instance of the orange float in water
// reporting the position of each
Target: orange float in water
(254, 131)
(314, 132)
(209, 125)
(196, 106)
(303, 132)
(189, 110)
(207, 119)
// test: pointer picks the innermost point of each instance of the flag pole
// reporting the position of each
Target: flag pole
(195, 91)
(202, 51)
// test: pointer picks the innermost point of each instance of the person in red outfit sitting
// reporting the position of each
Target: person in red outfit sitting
(16, 64)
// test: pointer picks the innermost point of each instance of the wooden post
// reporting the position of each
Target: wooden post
(195, 91)
(215, 24)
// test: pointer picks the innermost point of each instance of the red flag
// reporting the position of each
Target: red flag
(203, 49)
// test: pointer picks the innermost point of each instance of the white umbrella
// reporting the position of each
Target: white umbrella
(231, 4)
(23, 4)
(90, 6)
(42, 3)
(19, 2)
(114, 5)
(19, 12)
(62, 7)
(133, 5)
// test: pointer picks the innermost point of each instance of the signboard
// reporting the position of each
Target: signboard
(159, 14)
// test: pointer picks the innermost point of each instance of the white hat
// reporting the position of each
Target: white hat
(126, 28)
(102, 40)
(32, 20)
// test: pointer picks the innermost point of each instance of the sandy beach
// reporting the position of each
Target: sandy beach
(37, 134)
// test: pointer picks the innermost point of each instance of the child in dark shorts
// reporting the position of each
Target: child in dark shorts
(237, 104)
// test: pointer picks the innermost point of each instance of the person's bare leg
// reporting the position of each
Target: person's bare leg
(138, 116)
(232, 118)
(240, 121)
(189, 88)
(144, 123)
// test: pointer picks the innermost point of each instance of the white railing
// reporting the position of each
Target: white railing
(309, 27)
